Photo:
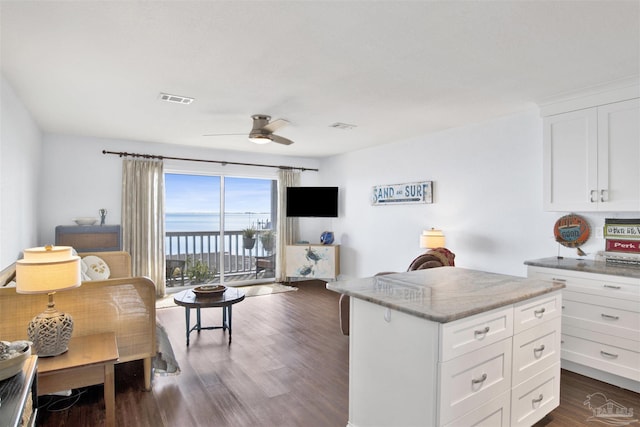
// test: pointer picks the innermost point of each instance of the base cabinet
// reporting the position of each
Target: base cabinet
(313, 261)
(600, 325)
(497, 368)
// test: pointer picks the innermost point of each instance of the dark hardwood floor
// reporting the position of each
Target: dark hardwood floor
(287, 366)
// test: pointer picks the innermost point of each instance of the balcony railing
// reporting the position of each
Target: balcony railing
(208, 247)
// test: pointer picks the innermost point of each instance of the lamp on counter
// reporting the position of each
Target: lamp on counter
(432, 239)
(47, 270)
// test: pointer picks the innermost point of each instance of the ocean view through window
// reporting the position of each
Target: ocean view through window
(205, 230)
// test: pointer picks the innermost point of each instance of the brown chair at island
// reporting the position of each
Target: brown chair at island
(438, 257)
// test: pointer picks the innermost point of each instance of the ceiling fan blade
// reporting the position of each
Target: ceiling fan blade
(275, 125)
(280, 140)
(226, 134)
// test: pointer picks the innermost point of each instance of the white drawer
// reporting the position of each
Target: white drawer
(535, 349)
(533, 312)
(473, 379)
(590, 283)
(472, 333)
(536, 397)
(606, 320)
(623, 304)
(496, 413)
(608, 358)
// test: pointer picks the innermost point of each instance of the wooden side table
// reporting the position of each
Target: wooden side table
(89, 361)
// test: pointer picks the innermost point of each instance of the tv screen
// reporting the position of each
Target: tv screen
(312, 202)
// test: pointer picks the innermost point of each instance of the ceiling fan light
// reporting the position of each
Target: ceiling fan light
(259, 139)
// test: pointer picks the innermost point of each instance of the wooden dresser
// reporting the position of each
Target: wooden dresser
(90, 238)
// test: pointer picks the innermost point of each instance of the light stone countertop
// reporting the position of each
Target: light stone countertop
(444, 294)
(587, 266)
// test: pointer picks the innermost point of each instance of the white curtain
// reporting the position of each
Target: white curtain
(287, 232)
(143, 218)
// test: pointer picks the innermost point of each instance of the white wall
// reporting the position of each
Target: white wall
(20, 144)
(487, 199)
(80, 180)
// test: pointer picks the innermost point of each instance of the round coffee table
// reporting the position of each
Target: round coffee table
(188, 299)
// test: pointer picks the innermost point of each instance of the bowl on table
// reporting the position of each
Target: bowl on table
(85, 220)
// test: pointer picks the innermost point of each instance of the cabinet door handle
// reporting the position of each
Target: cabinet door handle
(539, 349)
(612, 286)
(538, 400)
(482, 332)
(479, 380)
(604, 193)
(611, 355)
(608, 316)
(540, 312)
(591, 194)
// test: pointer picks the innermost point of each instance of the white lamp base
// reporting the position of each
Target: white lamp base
(50, 332)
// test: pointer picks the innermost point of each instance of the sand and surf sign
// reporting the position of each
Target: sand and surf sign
(408, 193)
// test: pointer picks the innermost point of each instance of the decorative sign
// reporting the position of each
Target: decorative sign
(571, 231)
(413, 192)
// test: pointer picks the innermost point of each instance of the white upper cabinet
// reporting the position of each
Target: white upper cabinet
(592, 158)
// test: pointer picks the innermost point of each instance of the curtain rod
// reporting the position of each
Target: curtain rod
(223, 163)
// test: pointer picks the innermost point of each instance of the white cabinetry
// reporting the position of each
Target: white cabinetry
(313, 261)
(600, 325)
(592, 158)
(497, 368)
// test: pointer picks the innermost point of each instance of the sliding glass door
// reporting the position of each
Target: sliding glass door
(219, 229)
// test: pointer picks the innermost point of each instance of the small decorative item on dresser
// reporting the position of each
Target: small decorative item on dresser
(326, 238)
(103, 216)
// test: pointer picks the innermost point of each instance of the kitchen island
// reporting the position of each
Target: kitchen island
(450, 346)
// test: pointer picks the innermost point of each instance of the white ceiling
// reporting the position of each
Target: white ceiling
(395, 69)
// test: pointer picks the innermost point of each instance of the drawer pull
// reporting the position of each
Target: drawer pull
(558, 280)
(611, 355)
(608, 316)
(612, 286)
(540, 312)
(479, 380)
(538, 400)
(482, 332)
(539, 349)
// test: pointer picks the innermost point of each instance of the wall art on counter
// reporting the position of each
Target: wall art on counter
(409, 193)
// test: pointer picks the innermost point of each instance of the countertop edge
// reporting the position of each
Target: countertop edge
(449, 318)
(585, 266)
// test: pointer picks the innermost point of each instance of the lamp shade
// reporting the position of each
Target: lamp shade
(47, 269)
(432, 239)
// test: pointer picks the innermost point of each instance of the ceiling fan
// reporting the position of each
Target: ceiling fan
(262, 131)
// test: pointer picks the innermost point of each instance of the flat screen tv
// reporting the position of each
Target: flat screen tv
(312, 202)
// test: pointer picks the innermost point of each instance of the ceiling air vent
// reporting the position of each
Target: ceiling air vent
(177, 99)
(339, 125)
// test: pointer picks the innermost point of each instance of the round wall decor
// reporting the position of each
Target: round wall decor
(572, 231)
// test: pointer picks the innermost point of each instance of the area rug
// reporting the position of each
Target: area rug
(249, 291)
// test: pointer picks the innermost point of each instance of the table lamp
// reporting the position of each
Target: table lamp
(47, 270)
(432, 239)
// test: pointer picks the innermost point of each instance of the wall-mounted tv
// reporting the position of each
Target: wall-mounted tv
(312, 202)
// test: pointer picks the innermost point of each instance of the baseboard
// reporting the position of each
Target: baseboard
(599, 375)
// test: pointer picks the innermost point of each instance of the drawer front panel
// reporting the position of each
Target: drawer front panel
(535, 350)
(595, 284)
(496, 413)
(473, 379)
(533, 312)
(463, 336)
(616, 360)
(536, 397)
(622, 304)
(606, 320)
